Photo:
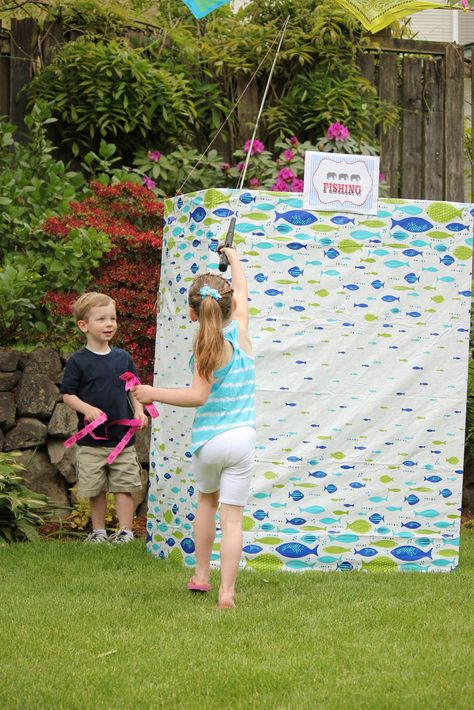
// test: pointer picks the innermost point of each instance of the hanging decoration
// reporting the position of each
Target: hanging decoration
(374, 15)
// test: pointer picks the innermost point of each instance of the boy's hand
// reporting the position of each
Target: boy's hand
(140, 414)
(143, 394)
(91, 413)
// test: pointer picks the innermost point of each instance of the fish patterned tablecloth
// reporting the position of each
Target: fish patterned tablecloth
(360, 327)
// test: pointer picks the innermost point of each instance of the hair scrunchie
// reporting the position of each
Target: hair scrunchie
(206, 290)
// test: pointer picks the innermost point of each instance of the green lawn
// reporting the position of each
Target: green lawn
(100, 627)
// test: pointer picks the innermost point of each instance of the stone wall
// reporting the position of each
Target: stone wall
(34, 420)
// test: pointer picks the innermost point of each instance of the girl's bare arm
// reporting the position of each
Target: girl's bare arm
(193, 396)
(239, 284)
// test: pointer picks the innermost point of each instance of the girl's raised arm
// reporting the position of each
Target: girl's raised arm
(239, 285)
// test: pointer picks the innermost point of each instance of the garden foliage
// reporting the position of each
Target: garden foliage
(34, 185)
(19, 516)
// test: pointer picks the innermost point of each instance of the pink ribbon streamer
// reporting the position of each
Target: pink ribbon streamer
(88, 429)
(130, 380)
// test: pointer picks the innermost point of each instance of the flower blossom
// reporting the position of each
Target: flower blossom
(257, 147)
(288, 155)
(154, 156)
(255, 182)
(381, 177)
(225, 167)
(297, 185)
(338, 132)
(294, 140)
(149, 183)
(280, 185)
(286, 174)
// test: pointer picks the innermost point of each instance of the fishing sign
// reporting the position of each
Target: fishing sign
(346, 183)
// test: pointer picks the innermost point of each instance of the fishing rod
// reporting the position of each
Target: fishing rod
(223, 261)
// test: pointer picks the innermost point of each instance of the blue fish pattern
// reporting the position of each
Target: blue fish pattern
(358, 447)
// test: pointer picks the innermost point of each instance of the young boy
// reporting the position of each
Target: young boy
(91, 385)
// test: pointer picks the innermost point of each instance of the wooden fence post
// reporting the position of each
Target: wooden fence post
(433, 120)
(389, 139)
(412, 136)
(4, 72)
(454, 123)
(23, 34)
(247, 109)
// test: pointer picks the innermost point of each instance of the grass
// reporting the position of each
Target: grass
(100, 627)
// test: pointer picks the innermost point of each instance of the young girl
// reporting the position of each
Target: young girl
(223, 433)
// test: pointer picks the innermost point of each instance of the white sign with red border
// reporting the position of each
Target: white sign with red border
(341, 182)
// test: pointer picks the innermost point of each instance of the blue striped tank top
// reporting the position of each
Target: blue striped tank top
(231, 402)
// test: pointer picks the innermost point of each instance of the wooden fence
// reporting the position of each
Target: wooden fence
(422, 156)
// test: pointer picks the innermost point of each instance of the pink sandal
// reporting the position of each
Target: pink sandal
(196, 587)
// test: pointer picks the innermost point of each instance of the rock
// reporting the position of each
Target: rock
(8, 360)
(36, 395)
(63, 423)
(47, 362)
(142, 443)
(64, 460)
(468, 485)
(26, 434)
(8, 380)
(142, 494)
(468, 496)
(142, 509)
(41, 476)
(7, 410)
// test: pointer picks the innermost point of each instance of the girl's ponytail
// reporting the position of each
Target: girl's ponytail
(210, 297)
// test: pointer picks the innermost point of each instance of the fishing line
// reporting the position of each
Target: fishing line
(226, 120)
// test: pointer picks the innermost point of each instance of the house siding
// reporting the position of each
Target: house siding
(439, 25)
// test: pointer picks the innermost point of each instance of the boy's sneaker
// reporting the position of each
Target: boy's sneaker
(121, 536)
(96, 536)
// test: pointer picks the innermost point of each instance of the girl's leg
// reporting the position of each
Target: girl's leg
(204, 534)
(231, 550)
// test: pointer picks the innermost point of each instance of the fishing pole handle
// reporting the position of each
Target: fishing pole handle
(224, 261)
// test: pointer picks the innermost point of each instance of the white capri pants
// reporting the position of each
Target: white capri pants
(225, 464)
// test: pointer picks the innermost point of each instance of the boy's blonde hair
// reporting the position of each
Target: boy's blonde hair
(82, 307)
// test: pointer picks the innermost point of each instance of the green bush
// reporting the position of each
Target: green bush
(19, 517)
(35, 186)
(170, 171)
(112, 91)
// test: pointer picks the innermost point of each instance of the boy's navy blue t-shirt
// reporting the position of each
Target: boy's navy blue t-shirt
(96, 380)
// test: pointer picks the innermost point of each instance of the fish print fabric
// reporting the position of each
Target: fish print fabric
(360, 326)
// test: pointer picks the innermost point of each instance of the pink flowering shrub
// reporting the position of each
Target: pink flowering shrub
(257, 147)
(338, 139)
(290, 165)
(338, 132)
(280, 170)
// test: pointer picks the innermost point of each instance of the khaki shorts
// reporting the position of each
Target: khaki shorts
(95, 475)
